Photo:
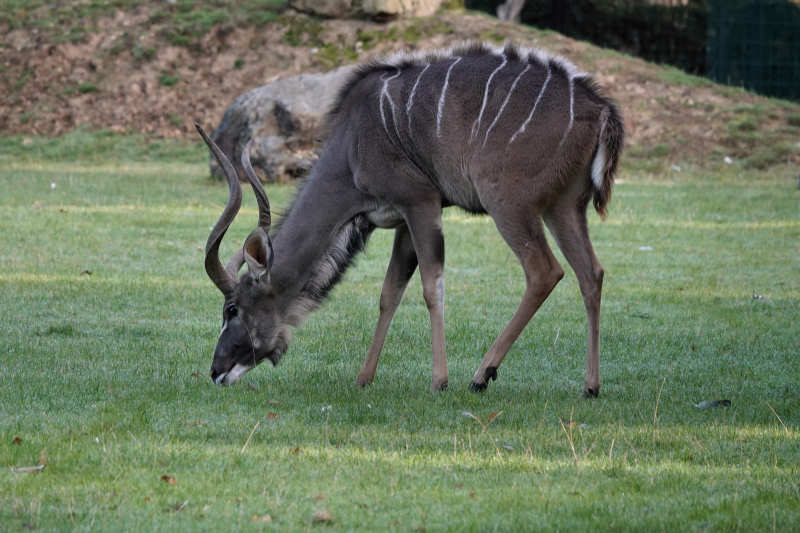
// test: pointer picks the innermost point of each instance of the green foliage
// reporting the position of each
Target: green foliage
(143, 53)
(301, 30)
(425, 27)
(168, 80)
(88, 87)
(187, 26)
(23, 80)
(121, 43)
(765, 156)
(493, 35)
(107, 324)
(334, 55)
(370, 38)
(184, 22)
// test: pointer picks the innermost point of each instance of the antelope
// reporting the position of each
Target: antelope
(510, 132)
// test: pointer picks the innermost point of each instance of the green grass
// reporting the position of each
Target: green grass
(107, 324)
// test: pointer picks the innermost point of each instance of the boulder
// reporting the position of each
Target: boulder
(403, 8)
(284, 119)
(325, 8)
(367, 8)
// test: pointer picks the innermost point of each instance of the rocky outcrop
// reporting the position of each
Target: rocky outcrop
(283, 119)
(325, 8)
(367, 8)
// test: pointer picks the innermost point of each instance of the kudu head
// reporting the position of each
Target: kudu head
(252, 329)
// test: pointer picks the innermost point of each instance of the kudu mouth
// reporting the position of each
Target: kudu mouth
(257, 250)
(231, 376)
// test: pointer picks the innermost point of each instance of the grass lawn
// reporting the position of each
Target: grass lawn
(108, 322)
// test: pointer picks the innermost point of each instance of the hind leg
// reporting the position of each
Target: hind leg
(525, 236)
(568, 225)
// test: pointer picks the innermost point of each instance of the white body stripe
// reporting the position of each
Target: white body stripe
(410, 102)
(385, 94)
(477, 124)
(571, 109)
(440, 107)
(535, 104)
(503, 106)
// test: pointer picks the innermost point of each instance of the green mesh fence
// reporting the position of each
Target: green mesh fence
(756, 44)
(749, 43)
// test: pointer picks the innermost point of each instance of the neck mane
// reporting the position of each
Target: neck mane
(314, 245)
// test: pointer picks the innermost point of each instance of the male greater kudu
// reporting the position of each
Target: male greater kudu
(510, 132)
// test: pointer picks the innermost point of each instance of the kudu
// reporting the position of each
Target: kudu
(510, 132)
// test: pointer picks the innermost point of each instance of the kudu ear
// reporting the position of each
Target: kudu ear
(258, 254)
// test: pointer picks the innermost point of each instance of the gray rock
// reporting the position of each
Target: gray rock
(284, 120)
(325, 8)
(367, 8)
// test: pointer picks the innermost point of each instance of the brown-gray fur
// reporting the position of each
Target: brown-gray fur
(510, 132)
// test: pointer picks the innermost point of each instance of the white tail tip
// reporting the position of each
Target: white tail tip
(598, 166)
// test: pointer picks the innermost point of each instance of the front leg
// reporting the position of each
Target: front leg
(425, 224)
(401, 267)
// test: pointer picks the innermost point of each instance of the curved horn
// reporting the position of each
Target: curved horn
(218, 274)
(264, 216)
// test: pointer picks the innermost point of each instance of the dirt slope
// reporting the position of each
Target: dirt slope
(124, 75)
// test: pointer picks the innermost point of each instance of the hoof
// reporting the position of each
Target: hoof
(362, 380)
(438, 383)
(591, 392)
(489, 373)
(477, 387)
(437, 387)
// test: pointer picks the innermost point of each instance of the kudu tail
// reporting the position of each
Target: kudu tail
(604, 165)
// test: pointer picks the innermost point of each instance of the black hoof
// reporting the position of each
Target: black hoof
(491, 373)
(477, 387)
(590, 393)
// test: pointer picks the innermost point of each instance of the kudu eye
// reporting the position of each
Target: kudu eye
(231, 310)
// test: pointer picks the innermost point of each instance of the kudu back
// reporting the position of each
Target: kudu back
(510, 132)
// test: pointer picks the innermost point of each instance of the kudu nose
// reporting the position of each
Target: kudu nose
(217, 375)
